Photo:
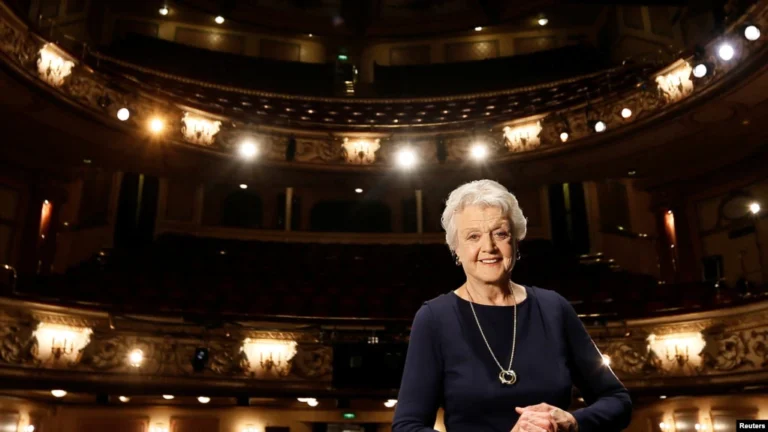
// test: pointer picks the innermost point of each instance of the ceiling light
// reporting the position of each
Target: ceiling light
(124, 399)
(754, 208)
(248, 149)
(163, 11)
(563, 136)
(600, 126)
(123, 114)
(156, 125)
(626, 113)
(219, 19)
(700, 70)
(168, 397)
(406, 158)
(752, 33)
(203, 399)
(726, 51)
(478, 28)
(243, 186)
(136, 357)
(479, 151)
(543, 21)
(313, 402)
(58, 393)
(358, 190)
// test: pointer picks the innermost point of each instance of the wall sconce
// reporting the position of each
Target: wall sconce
(679, 348)
(54, 65)
(522, 137)
(56, 342)
(360, 151)
(675, 83)
(199, 130)
(269, 356)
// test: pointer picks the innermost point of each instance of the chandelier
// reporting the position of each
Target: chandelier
(269, 357)
(54, 65)
(676, 84)
(360, 151)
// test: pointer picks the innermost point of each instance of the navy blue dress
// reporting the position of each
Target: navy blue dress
(449, 365)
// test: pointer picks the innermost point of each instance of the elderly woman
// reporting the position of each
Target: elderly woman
(498, 356)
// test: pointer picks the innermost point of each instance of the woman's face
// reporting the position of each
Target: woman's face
(485, 247)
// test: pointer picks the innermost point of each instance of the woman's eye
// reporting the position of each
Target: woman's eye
(473, 237)
(502, 234)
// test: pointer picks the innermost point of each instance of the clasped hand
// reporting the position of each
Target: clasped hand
(544, 418)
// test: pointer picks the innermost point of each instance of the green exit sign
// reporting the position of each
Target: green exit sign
(343, 57)
(349, 416)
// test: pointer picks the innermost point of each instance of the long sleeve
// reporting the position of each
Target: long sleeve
(609, 406)
(421, 388)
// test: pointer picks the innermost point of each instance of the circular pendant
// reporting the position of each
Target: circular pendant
(508, 377)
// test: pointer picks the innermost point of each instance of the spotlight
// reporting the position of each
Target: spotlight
(752, 33)
(203, 399)
(479, 151)
(124, 399)
(626, 113)
(219, 19)
(358, 190)
(543, 21)
(201, 354)
(700, 70)
(156, 125)
(168, 397)
(163, 11)
(726, 51)
(248, 150)
(136, 357)
(564, 136)
(478, 28)
(123, 114)
(58, 393)
(754, 208)
(243, 186)
(406, 158)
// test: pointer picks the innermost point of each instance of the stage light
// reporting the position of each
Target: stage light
(478, 28)
(219, 19)
(168, 397)
(700, 70)
(626, 113)
(479, 152)
(156, 125)
(163, 11)
(58, 393)
(752, 33)
(248, 149)
(203, 399)
(754, 208)
(543, 21)
(136, 357)
(124, 399)
(123, 114)
(200, 359)
(726, 51)
(406, 158)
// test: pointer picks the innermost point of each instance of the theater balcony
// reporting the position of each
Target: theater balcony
(222, 216)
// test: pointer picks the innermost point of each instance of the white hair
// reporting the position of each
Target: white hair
(484, 193)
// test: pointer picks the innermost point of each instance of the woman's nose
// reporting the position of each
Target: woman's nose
(487, 243)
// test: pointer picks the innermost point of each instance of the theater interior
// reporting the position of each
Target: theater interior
(222, 216)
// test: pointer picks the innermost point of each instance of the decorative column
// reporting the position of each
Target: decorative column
(419, 213)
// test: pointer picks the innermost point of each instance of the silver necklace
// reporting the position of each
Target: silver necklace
(506, 376)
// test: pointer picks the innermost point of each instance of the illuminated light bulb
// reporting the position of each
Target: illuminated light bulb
(700, 70)
(163, 11)
(156, 125)
(123, 114)
(626, 113)
(606, 360)
(752, 33)
(168, 397)
(726, 51)
(243, 186)
(313, 402)
(359, 190)
(406, 158)
(59, 393)
(219, 19)
(124, 399)
(478, 28)
(754, 208)
(564, 136)
(543, 21)
(136, 357)
(203, 399)
(479, 151)
(248, 150)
